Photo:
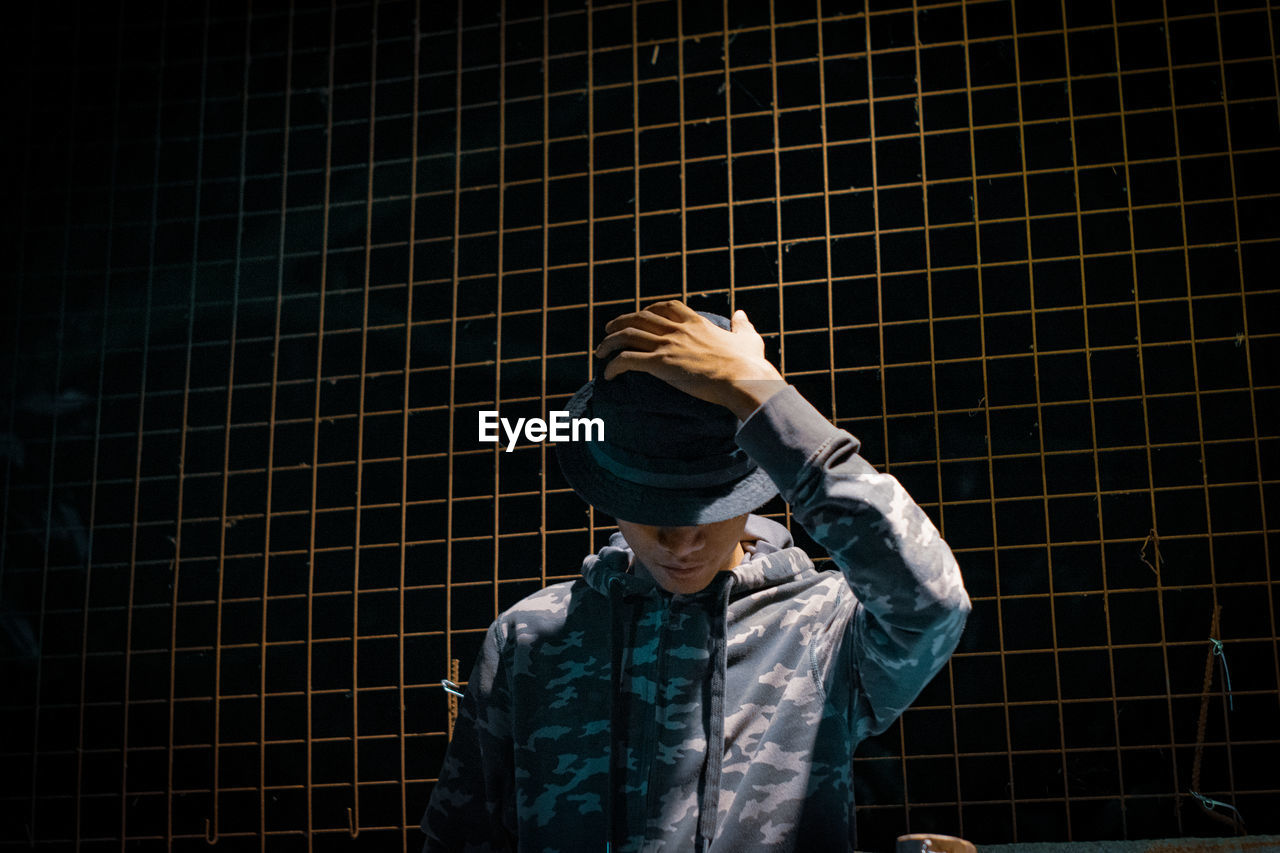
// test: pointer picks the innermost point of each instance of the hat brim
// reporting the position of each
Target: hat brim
(644, 504)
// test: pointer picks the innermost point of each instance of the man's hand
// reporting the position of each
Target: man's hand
(679, 346)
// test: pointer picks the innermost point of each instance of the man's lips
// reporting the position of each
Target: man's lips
(681, 569)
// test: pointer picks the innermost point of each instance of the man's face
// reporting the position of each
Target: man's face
(685, 559)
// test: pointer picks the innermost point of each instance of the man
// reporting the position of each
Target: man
(702, 686)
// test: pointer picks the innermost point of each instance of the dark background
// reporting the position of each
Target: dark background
(265, 262)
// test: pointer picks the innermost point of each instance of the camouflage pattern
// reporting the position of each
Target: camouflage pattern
(736, 710)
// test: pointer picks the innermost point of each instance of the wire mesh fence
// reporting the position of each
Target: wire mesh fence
(270, 261)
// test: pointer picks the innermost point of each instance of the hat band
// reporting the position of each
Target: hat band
(742, 466)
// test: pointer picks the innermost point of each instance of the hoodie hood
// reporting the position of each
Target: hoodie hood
(770, 559)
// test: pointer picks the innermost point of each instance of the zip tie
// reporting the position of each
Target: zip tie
(1220, 653)
(1210, 804)
(450, 687)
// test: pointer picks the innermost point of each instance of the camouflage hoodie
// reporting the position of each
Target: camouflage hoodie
(734, 712)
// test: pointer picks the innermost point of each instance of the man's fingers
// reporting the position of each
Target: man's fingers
(628, 338)
(646, 320)
(672, 309)
(659, 318)
(629, 360)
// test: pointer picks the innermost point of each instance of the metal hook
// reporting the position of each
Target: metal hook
(450, 687)
(210, 837)
(352, 829)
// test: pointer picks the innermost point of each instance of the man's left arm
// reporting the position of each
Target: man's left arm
(912, 601)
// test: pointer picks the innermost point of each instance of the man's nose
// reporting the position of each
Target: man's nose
(680, 541)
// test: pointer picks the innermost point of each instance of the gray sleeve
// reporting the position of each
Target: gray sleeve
(471, 806)
(912, 599)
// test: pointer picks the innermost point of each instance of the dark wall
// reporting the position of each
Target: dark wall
(267, 262)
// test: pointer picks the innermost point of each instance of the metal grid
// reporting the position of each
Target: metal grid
(271, 262)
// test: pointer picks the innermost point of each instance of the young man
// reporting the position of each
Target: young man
(702, 686)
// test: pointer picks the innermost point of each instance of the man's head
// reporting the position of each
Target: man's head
(669, 469)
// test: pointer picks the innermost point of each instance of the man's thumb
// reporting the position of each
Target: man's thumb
(740, 323)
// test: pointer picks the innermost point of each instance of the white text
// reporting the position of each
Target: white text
(558, 427)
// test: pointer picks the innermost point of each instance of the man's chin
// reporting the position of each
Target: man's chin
(683, 581)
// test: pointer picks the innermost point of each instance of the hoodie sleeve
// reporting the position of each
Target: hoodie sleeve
(471, 806)
(912, 602)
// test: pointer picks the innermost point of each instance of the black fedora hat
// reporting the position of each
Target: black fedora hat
(667, 458)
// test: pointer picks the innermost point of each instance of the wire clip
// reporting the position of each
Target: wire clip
(1226, 673)
(450, 687)
(1210, 804)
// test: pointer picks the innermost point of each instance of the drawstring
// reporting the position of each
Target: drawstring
(715, 729)
(617, 646)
